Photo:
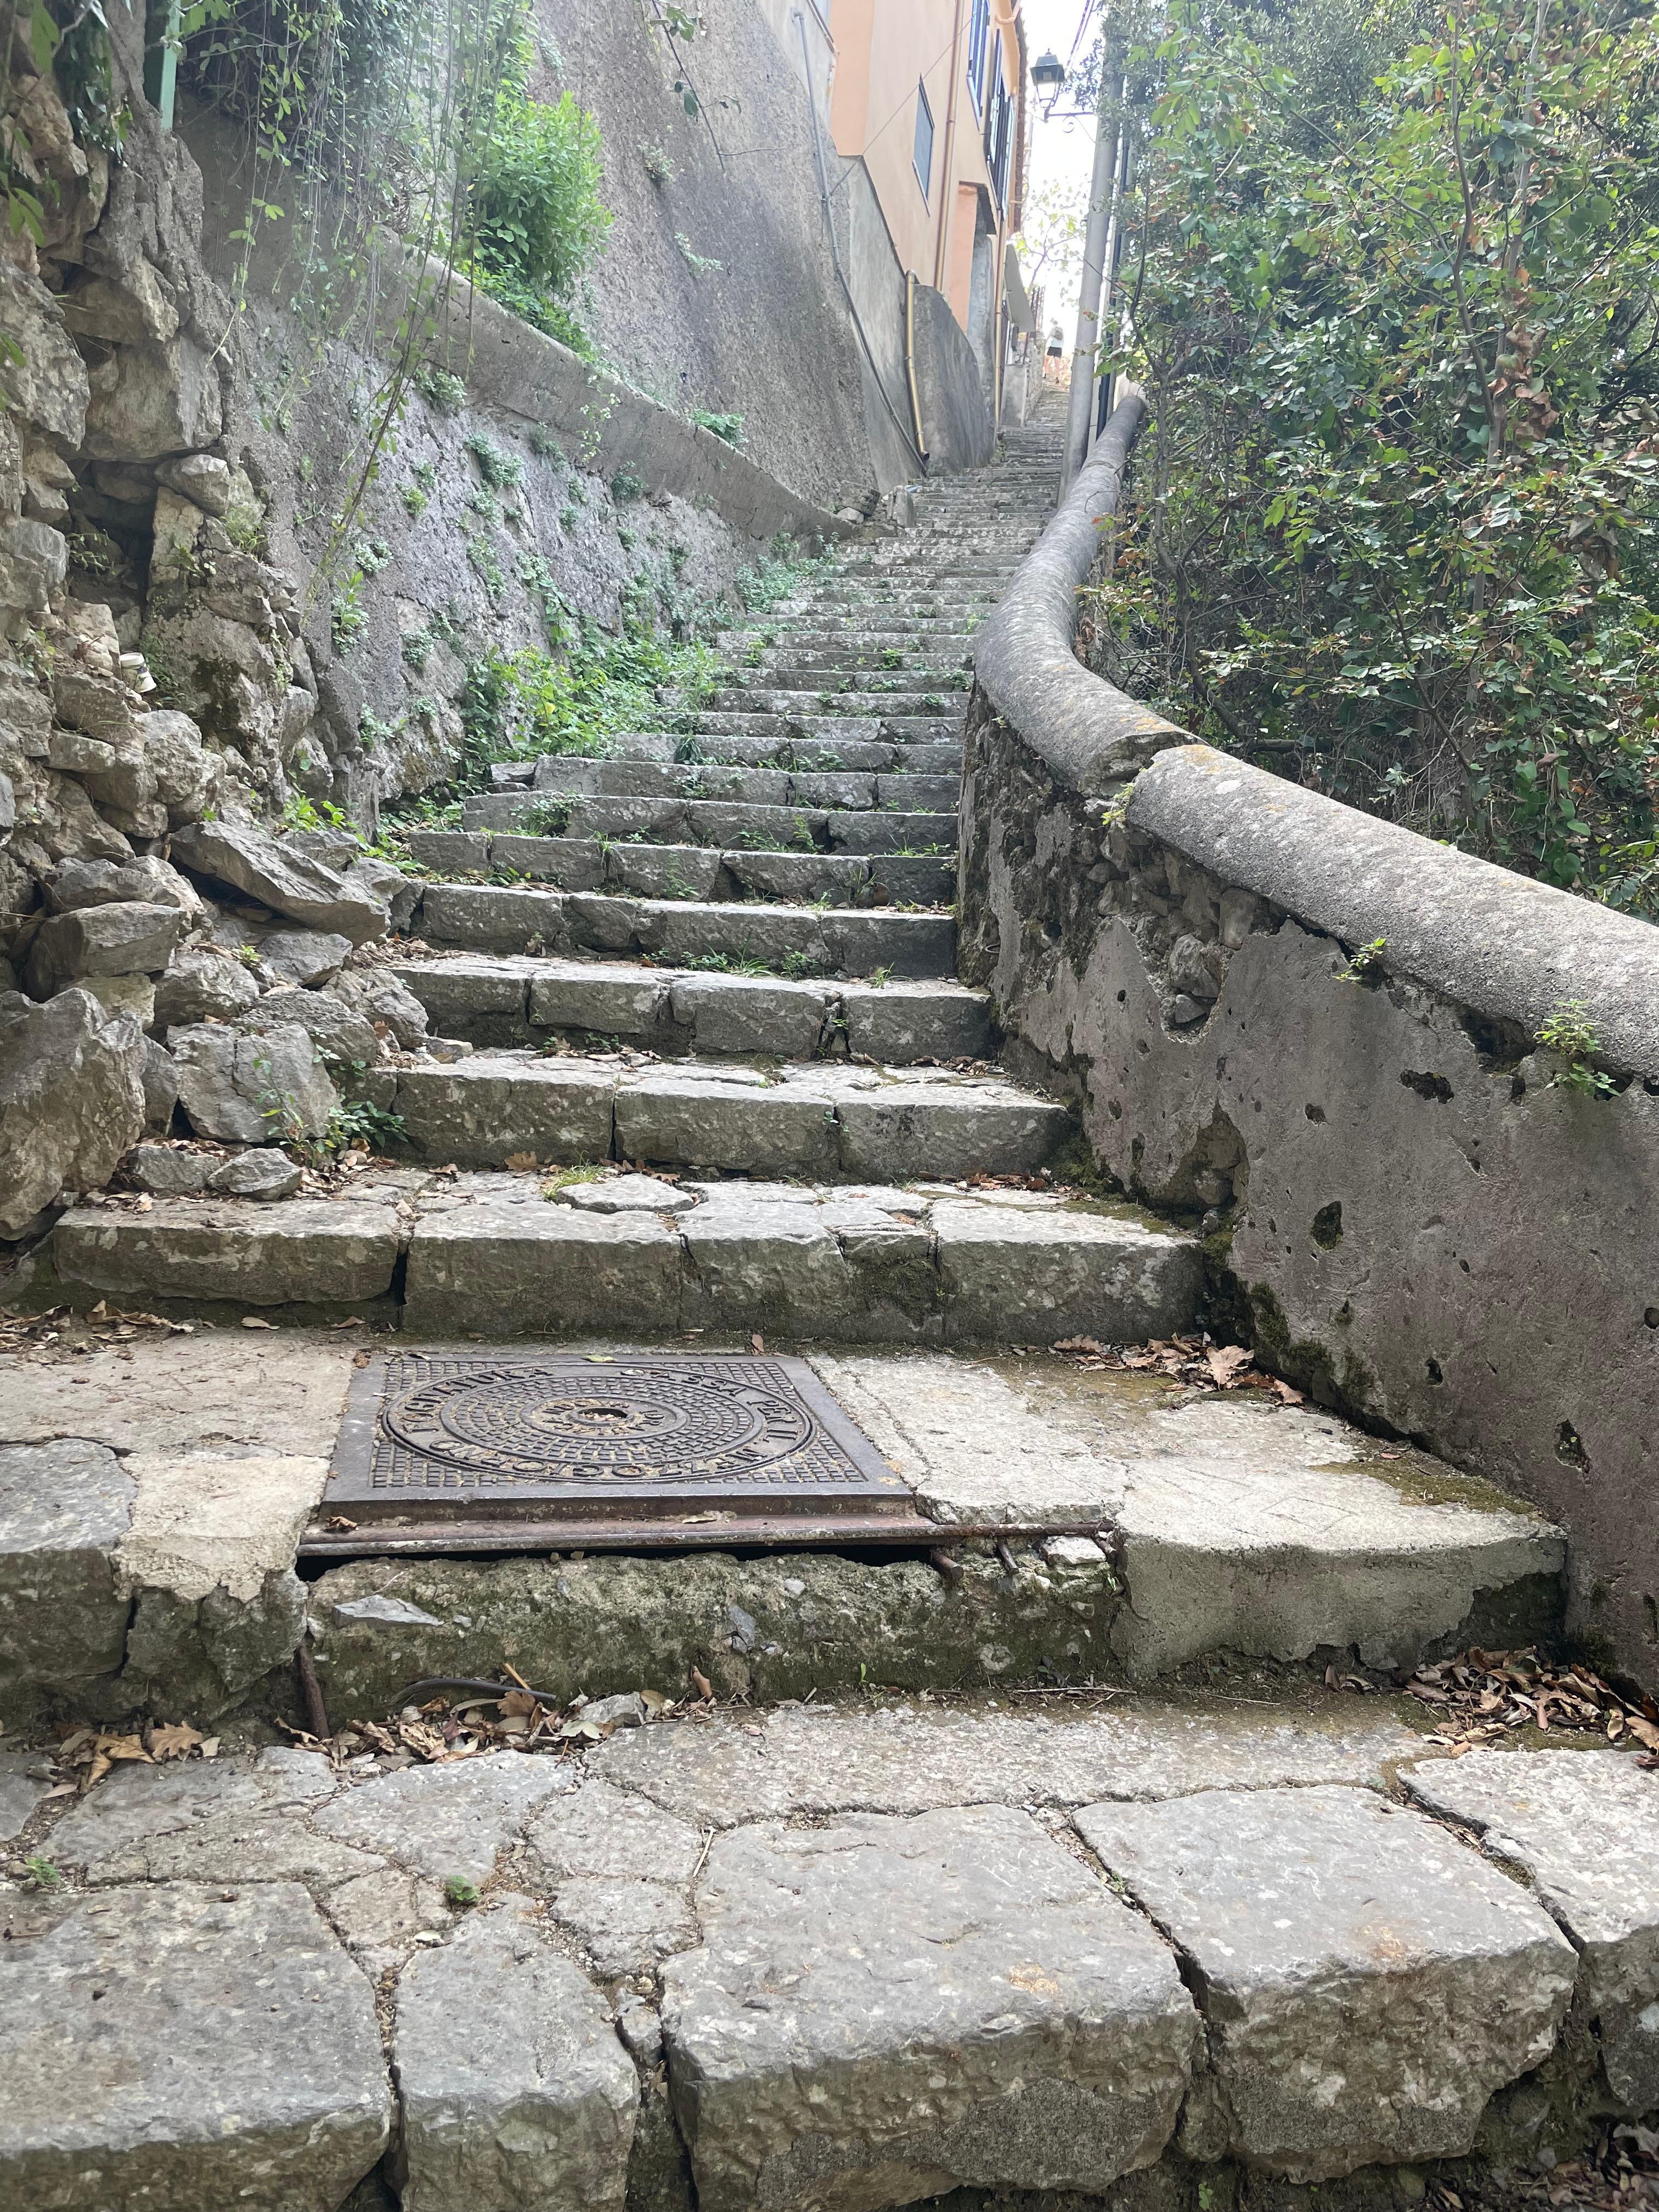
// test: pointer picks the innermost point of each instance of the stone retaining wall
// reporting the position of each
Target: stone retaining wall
(1408, 1212)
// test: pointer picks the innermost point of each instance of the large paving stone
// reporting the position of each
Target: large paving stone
(894, 1130)
(516, 2093)
(738, 1014)
(885, 2009)
(1042, 1275)
(168, 2048)
(1584, 1826)
(481, 1112)
(21, 1790)
(515, 1264)
(492, 920)
(903, 1759)
(622, 1868)
(453, 1818)
(605, 997)
(727, 1118)
(305, 1251)
(138, 1812)
(64, 1507)
(1367, 1981)
(902, 1022)
(774, 1267)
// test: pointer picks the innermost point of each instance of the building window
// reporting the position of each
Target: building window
(923, 153)
(979, 30)
(998, 127)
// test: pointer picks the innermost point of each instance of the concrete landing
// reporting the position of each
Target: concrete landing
(152, 1495)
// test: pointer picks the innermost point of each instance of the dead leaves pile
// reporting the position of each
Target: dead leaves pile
(1621, 2173)
(65, 1331)
(1196, 1362)
(86, 1756)
(468, 1725)
(1480, 1696)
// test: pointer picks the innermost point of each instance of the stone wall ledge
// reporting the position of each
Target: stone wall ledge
(1508, 948)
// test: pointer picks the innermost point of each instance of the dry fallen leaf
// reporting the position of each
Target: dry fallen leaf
(173, 1743)
(253, 1321)
(758, 1342)
(1226, 1362)
(705, 1688)
(521, 1162)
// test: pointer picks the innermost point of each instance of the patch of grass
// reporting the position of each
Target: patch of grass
(567, 1178)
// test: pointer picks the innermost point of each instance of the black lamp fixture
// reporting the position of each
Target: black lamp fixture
(1048, 73)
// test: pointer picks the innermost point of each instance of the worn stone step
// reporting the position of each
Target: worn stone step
(1114, 1921)
(785, 940)
(525, 1001)
(684, 871)
(860, 823)
(783, 788)
(489, 1256)
(829, 731)
(831, 704)
(827, 1120)
(796, 666)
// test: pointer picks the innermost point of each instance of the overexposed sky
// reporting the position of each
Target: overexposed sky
(1062, 150)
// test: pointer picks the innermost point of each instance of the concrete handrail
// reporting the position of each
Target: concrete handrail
(1509, 948)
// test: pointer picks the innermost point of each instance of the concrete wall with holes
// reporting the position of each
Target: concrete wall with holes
(1408, 1210)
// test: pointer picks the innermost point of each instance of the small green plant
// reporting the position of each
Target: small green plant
(879, 978)
(1569, 1033)
(346, 620)
(537, 217)
(442, 390)
(1366, 964)
(371, 555)
(415, 501)
(545, 445)
(415, 647)
(42, 1873)
(891, 657)
(624, 487)
(549, 818)
(657, 167)
(700, 264)
(569, 519)
(581, 1171)
(498, 468)
(460, 1892)
(726, 427)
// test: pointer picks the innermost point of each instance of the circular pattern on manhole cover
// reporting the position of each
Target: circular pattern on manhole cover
(637, 1421)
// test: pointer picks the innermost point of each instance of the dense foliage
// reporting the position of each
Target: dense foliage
(535, 220)
(1391, 528)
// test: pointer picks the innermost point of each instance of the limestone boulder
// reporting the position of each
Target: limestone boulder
(71, 1100)
(263, 1175)
(340, 1035)
(302, 957)
(34, 563)
(43, 378)
(201, 477)
(183, 767)
(101, 705)
(160, 1080)
(143, 879)
(289, 882)
(261, 1089)
(128, 937)
(383, 1001)
(148, 400)
(170, 1171)
(203, 982)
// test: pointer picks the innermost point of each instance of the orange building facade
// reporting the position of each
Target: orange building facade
(931, 94)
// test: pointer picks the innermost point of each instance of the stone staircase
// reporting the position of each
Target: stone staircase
(1104, 1858)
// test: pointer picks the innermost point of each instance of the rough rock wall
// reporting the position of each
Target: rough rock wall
(1407, 1211)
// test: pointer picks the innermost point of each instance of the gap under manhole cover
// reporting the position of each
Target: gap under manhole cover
(492, 1451)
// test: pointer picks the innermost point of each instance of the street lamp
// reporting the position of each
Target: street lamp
(1047, 75)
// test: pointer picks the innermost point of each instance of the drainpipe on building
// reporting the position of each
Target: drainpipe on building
(1103, 196)
(948, 189)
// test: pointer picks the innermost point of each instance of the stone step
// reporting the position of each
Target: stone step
(520, 1001)
(1143, 1920)
(857, 668)
(829, 625)
(620, 778)
(829, 731)
(756, 699)
(692, 871)
(788, 940)
(825, 1119)
(857, 827)
(489, 1256)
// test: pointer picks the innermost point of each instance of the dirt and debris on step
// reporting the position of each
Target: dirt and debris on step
(1479, 1697)
(1198, 1363)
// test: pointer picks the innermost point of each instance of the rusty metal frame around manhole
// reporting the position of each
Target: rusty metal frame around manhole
(494, 1451)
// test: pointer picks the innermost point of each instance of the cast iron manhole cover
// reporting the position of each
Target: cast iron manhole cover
(435, 1444)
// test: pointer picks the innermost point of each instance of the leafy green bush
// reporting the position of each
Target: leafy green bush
(535, 218)
(1391, 532)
